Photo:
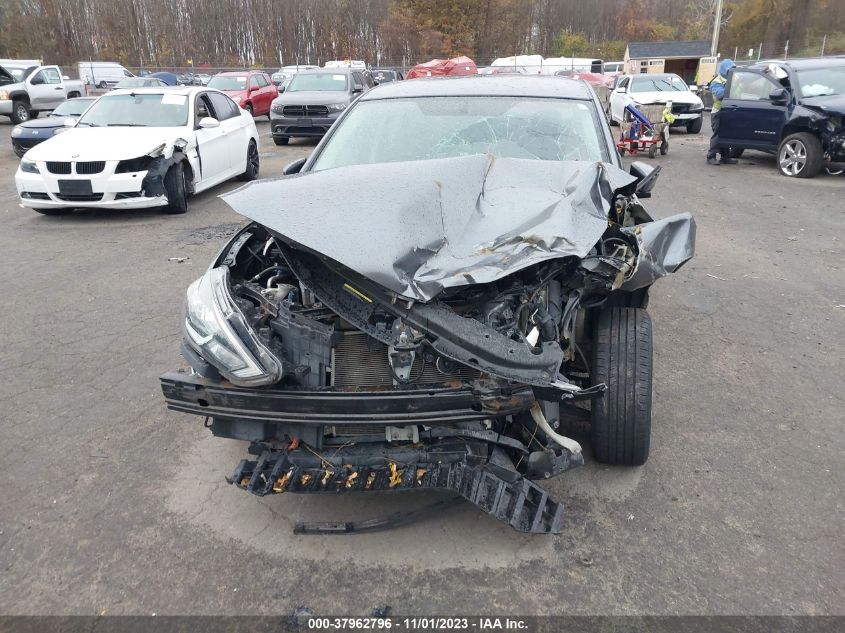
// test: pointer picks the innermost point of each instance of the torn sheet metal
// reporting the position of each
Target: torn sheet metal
(664, 246)
(419, 227)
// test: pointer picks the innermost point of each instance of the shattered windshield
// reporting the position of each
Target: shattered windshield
(137, 110)
(658, 84)
(822, 81)
(394, 130)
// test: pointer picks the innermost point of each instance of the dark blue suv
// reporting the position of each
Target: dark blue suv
(794, 109)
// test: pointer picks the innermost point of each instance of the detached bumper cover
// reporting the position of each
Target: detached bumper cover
(190, 393)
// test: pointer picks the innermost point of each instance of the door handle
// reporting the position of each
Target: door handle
(58, 88)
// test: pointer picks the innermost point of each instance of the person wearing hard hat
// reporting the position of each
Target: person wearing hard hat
(717, 89)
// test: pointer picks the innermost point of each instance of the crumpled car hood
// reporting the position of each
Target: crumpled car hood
(419, 227)
(105, 143)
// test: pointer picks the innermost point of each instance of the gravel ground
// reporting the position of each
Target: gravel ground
(111, 504)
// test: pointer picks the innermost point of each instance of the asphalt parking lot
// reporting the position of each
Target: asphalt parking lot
(111, 504)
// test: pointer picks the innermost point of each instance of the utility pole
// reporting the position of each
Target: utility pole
(786, 50)
(824, 41)
(717, 23)
(759, 50)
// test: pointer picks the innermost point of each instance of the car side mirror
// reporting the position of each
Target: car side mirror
(69, 122)
(36, 81)
(295, 167)
(65, 77)
(281, 89)
(356, 91)
(694, 89)
(622, 89)
(646, 176)
(209, 122)
(779, 96)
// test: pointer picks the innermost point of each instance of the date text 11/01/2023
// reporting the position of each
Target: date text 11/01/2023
(416, 624)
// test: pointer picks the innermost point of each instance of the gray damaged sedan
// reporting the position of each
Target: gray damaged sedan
(454, 327)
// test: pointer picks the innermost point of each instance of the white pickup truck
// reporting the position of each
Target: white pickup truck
(27, 88)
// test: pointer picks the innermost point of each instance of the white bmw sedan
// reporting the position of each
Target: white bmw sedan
(138, 148)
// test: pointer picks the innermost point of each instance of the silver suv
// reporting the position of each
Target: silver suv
(312, 101)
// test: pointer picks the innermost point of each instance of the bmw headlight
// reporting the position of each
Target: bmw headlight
(217, 330)
(27, 166)
(336, 107)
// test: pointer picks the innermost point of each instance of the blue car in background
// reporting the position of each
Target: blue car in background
(794, 109)
(31, 133)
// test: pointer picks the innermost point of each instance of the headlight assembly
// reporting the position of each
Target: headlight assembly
(336, 107)
(217, 330)
(29, 167)
(17, 130)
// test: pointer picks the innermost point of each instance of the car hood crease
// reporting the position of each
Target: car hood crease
(449, 222)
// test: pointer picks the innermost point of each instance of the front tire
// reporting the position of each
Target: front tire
(800, 155)
(252, 164)
(248, 108)
(694, 126)
(20, 111)
(622, 359)
(176, 189)
(102, 85)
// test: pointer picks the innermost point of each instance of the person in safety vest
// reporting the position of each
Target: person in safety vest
(717, 89)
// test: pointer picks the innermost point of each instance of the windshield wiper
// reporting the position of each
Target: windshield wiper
(125, 125)
(88, 124)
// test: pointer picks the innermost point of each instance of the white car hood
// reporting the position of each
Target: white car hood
(662, 96)
(106, 143)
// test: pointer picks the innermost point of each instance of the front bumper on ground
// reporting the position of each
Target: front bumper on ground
(109, 190)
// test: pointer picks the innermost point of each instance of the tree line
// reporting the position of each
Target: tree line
(267, 33)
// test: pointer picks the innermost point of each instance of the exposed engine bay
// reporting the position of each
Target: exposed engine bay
(350, 385)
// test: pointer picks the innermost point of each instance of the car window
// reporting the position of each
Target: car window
(749, 86)
(317, 81)
(48, 76)
(223, 106)
(424, 128)
(262, 81)
(822, 81)
(137, 110)
(624, 83)
(71, 107)
(658, 83)
(253, 82)
(204, 109)
(357, 82)
(126, 73)
(228, 82)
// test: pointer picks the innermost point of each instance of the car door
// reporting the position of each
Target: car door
(268, 92)
(212, 143)
(236, 128)
(619, 98)
(748, 117)
(46, 90)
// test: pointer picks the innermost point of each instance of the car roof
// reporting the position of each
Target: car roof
(159, 90)
(483, 85)
(241, 72)
(327, 71)
(803, 64)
